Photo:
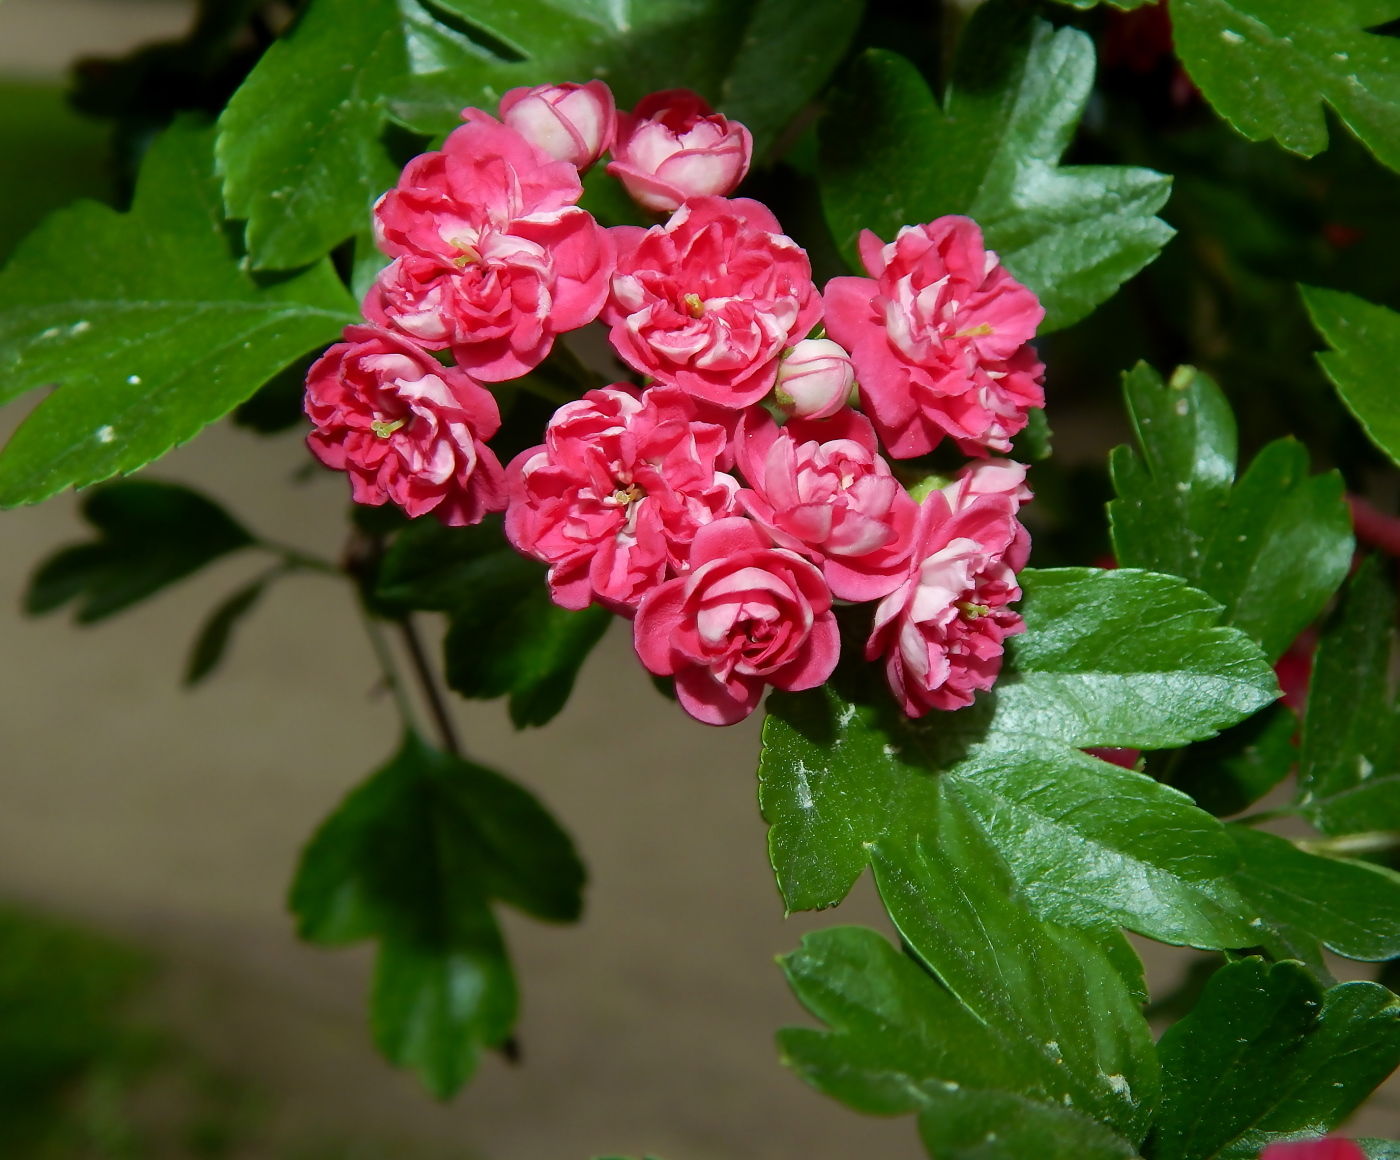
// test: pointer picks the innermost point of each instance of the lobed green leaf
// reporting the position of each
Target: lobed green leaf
(1365, 342)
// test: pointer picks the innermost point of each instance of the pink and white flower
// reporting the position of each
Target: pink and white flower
(492, 258)
(942, 630)
(709, 301)
(570, 122)
(820, 488)
(673, 147)
(940, 334)
(815, 379)
(747, 615)
(405, 428)
(613, 498)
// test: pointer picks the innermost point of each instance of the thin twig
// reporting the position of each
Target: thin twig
(1268, 816)
(427, 682)
(390, 670)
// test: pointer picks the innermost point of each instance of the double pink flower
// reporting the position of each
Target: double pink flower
(940, 334)
(492, 258)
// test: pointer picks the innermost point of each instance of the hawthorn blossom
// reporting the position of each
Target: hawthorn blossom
(673, 147)
(570, 122)
(814, 380)
(746, 616)
(405, 428)
(940, 335)
(492, 258)
(941, 631)
(709, 301)
(616, 493)
(820, 488)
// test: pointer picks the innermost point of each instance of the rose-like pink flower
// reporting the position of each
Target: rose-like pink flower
(820, 488)
(570, 122)
(746, 616)
(673, 147)
(1327, 1148)
(709, 301)
(405, 428)
(940, 335)
(941, 630)
(614, 496)
(491, 256)
(814, 379)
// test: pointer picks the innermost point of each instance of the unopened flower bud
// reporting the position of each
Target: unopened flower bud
(673, 146)
(570, 122)
(815, 379)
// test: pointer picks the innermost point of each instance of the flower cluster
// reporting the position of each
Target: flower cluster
(743, 484)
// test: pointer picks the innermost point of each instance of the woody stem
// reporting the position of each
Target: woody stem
(427, 682)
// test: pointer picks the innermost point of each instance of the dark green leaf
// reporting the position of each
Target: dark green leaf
(413, 858)
(1033, 443)
(1229, 773)
(213, 638)
(964, 1124)
(506, 635)
(1365, 342)
(1123, 5)
(1266, 1054)
(1272, 548)
(1349, 764)
(1352, 908)
(892, 157)
(1015, 1006)
(788, 51)
(149, 536)
(277, 405)
(151, 328)
(305, 177)
(1268, 66)
(1380, 1149)
(1108, 659)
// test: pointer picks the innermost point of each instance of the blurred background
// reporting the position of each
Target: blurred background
(154, 1001)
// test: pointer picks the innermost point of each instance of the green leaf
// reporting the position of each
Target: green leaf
(963, 1124)
(1272, 547)
(1122, 5)
(413, 858)
(302, 146)
(1015, 1005)
(1116, 659)
(892, 157)
(1266, 1054)
(1365, 342)
(212, 641)
(506, 636)
(151, 327)
(1228, 774)
(1350, 907)
(788, 51)
(1380, 1149)
(1349, 763)
(149, 536)
(1268, 66)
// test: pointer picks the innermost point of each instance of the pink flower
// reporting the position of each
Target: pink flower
(673, 147)
(570, 122)
(613, 498)
(491, 256)
(820, 488)
(940, 336)
(709, 301)
(1327, 1148)
(942, 629)
(747, 615)
(814, 379)
(405, 428)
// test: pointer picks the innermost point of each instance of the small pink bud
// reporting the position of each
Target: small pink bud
(673, 146)
(815, 379)
(570, 122)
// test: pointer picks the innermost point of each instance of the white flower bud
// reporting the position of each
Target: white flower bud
(814, 379)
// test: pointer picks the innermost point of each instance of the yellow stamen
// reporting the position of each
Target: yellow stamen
(469, 254)
(384, 429)
(694, 306)
(982, 328)
(973, 611)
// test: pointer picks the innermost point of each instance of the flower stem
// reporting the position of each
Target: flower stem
(390, 669)
(427, 682)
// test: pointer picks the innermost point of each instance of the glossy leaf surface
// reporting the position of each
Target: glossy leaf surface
(1272, 546)
(1267, 1053)
(151, 327)
(891, 156)
(1268, 67)
(149, 535)
(1349, 764)
(413, 858)
(1108, 659)
(209, 647)
(305, 180)
(1365, 342)
(506, 637)
(1016, 1006)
